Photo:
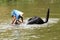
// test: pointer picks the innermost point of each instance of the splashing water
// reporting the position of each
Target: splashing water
(24, 24)
(17, 34)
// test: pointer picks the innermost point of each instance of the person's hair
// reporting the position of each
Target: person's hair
(12, 15)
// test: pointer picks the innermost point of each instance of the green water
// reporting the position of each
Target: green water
(30, 8)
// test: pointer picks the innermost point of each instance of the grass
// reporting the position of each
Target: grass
(32, 8)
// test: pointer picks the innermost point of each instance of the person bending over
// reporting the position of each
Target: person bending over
(17, 17)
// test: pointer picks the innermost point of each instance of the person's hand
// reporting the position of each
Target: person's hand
(12, 24)
(21, 21)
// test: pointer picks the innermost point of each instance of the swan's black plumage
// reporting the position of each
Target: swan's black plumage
(38, 20)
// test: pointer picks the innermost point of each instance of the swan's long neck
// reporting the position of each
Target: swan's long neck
(47, 16)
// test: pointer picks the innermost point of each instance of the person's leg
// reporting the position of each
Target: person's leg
(18, 20)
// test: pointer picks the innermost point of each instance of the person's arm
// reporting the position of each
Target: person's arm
(13, 19)
(22, 19)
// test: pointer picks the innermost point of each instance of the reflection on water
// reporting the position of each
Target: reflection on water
(18, 34)
(24, 31)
